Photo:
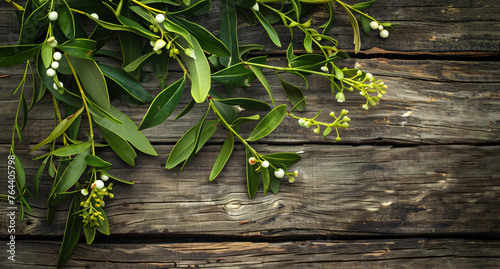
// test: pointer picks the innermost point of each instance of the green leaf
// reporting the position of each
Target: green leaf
(268, 123)
(229, 32)
(103, 224)
(264, 82)
(66, 21)
(59, 130)
(46, 54)
(206, 39)
(328, 25)
(245, 3)
(117, 179)
(284, 158)
(71, 232)
(20, 174)
(226, 111)
(161, 63)
(339, 74)
(92, 79)
(355, 29)
(89, 233)
(186, 143)
(131, 47)
(327, 131)
(196, 140)
(224, 154)
(253, 177)
(138, 63)
(364, 5)
(18, 54)
(96, 161)
(119, 145)
(242, 120)
(266, 178)
(48, 82)
(238, 74)
(199, 70)
(269, 29)
(72, 149)
(308, 43)
(163, 105)
(38, 175)
(247, 48)
(125, 85)
(80, 48)
(72, 130)
(71, 174)
(365, 23)
(116, 27)
(172, 27)
(127, 131)
(99, 112)
(294, 94)
(274, 183)
(186, 109)
(34, 23)
(246, 103)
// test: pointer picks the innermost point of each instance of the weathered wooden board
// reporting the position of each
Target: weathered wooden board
(428, 101)
(341, 190)
(395, 253)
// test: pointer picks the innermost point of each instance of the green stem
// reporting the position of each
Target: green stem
(147, 7)
(18, 7)
(351, 8)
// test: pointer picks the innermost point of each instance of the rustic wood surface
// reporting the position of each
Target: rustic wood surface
(414, 183)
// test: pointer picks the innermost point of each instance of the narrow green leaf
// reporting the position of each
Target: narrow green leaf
(327, 131)
(163, 105)
(199, 70)
(89, 234)
(199, 7)
(364, 5)
(48, 82)
(229, 32)
(72, 130)
(46, 54)
(238, 74)
(92, 79)
(138, 63)
(186, 143)
(59, 130)
(72, 149)
(355, 29)
(244, 49)
(161, 64)
(269, 29)
(97, 111)
(18, 54)
(206, 39)
(103, 224)
(245, 3)
(20, 174)
(274, 183)
(339, 74)
(186, 109)
(242, 120)
(308, 43)
(226, 111)
(328, 25)
(224, 154)
(264, 82)
(119, 145)
(253, 177)
(117, 27)
(131, 47)
(365, 23)
(71, 232)
(66, 21)
(38, 175)
(96, 161)
(34, 23)
(196, 140)
(266, 178)
(285, 158)
(124, 85)
(80, 48)
(72, 173)
(246, 103)
(117, 179)
(294, 94)
(268, 123)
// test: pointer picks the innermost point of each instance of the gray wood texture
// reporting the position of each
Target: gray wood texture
(414, 183)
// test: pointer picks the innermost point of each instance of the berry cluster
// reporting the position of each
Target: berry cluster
(278, 172)
(91, 211)
(383, 32)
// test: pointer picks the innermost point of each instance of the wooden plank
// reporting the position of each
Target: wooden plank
(393, 253)
(340, 190)
(428, 101)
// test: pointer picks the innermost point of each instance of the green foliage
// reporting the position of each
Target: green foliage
(72, 68)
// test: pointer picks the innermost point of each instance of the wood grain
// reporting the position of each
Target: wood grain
(395, 253)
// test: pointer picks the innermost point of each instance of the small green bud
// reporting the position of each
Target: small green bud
(344, 125)
(338, 139)
(365, 106)
(316, 130)
(344, 112)
(372, 102)
(332, 114)
(189, 52)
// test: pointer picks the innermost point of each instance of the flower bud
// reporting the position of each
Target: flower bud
(50, 72)
(324, 69)
(359, 73)
(52, 42)
(346, 119)
(54, 65)
(340, 97)
(53, 16)
(159, 44)
(372, 102)
(344, 112)
(189, 52)
(279, 173)
(111, 196)
(316, 130)
(374, 25)
(291, 179)
(265, 164)
(338, 139)
(344, 125)
(365, 107)
(252, 160)
(104, 177)
(369, 76)
(307, 124)
(332, 114)
(152, 43)
(296, 173)
(95, 16)
(57, 56)
(160, 18)
(256, 7)
(384, 33)
(85, 192)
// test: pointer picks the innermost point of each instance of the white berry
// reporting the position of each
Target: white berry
(95, 16)
(324, 69)
(374, 25)
(279, 173)
(98, 184)
(384, 33)
(256, 7)
(52, 42)
(55, 85)
(57, 56)
(85, 192)
(104, 177)
(265, 164)
(53, 16)
(54, 64)
(160, 18)
(51, 72)
(380, 27)
(252, 160)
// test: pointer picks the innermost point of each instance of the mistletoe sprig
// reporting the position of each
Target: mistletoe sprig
(79, 74)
